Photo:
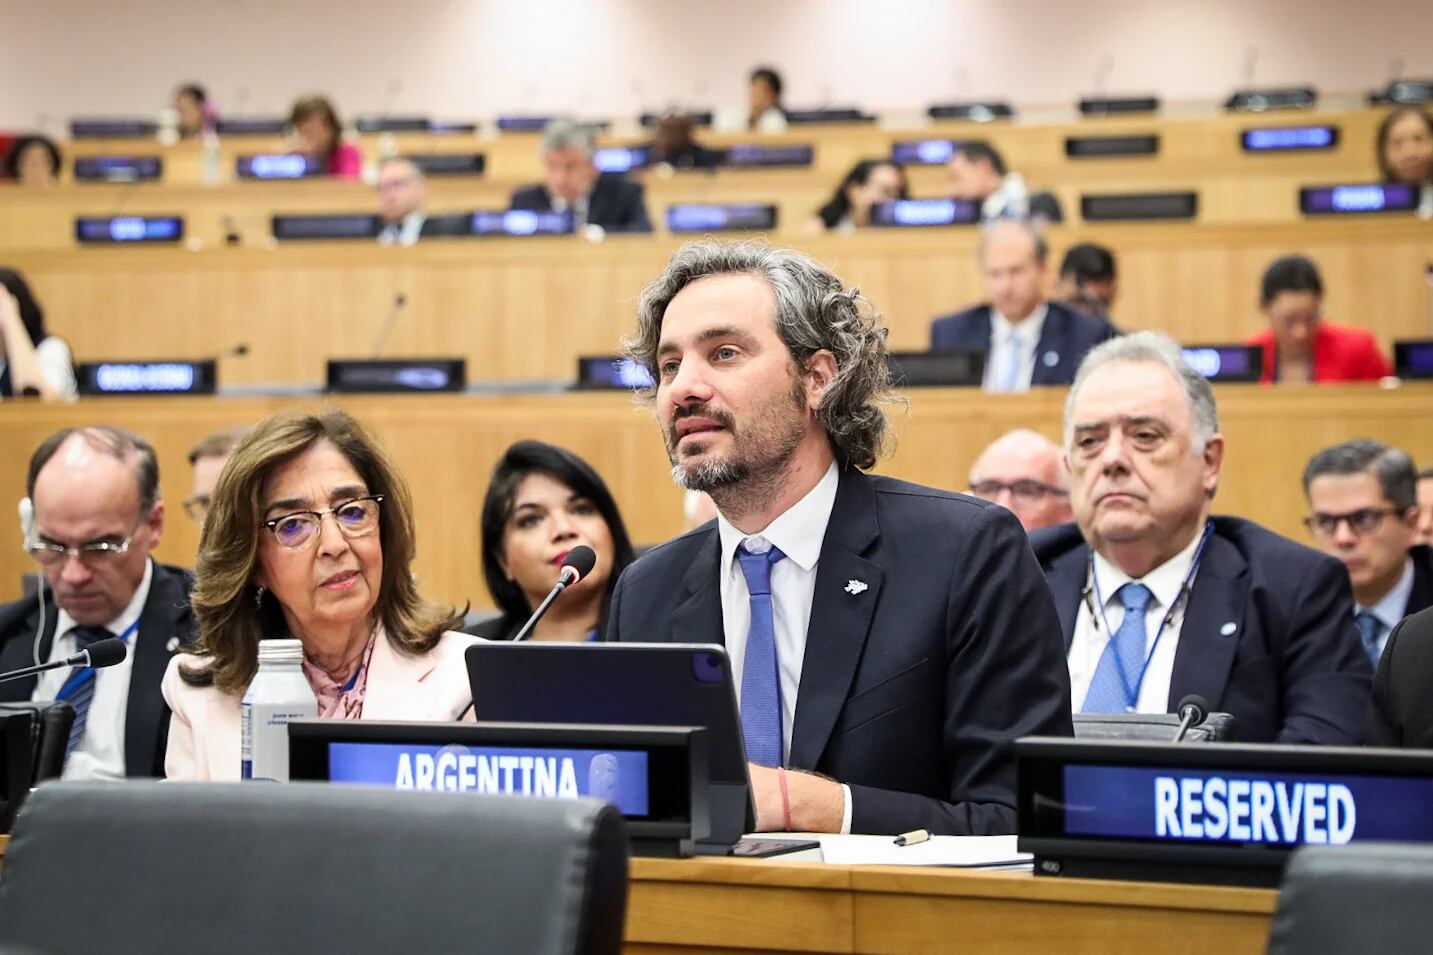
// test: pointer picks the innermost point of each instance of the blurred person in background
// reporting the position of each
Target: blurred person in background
(32, 362)
(319, 133)
(33, 161)
(978, 174)
(1299, 345)
(765, 114)
(870, 181)
(1088, 280)
(674, 145)
(604, 199)
(191, 107)
(1405, 152)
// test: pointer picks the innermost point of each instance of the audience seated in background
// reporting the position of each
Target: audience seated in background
(1026, 340)
(889, 641)
(1405, 152)
(1365, 513)
(1157, 598)
(319, 134)
(192, 112)
(94, 518)
(31, 361)
(542, 502)
(403, 206)
(324, 558)
(674, 146)
(1088, 281)
(604, 199)
(978, 174)
(1299, 345)
(206, 461)
(765, 112)
(868, 182)
(33, 161)
(1424, 534)
(1023, 471)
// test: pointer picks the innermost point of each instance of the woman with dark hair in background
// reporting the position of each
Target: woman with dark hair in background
(1405, 152)
(33, 161)
(870, 181)
(191, 106)
(765, 114)
(320, 134)
(542, 502)
(674, 145)
(31, 362)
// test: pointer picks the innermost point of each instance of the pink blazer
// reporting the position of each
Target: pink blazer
(204, 721)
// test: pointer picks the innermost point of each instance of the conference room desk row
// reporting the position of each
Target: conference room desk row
(446, 446)
(711, 906)
(524, 309)
(1187, 145)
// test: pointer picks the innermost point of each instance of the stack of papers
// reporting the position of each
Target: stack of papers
(968, 851)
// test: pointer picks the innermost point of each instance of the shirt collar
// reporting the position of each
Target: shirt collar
(1164, 581)
(1028, 331)
(64, 623)
(1389, 610)
(798, 531)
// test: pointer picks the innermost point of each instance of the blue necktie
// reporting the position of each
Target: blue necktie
(79, 689)
(1118, 672)
(1370, 628)
(1011, 360)
(760, 678)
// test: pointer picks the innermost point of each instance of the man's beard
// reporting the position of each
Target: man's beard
(759, 453)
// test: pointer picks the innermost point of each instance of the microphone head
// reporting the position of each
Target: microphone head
(241, 349)
(580, 561)
(1196, 703)
(400, 300)
(106, 653)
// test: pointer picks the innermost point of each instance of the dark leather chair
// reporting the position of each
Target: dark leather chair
(149, 868)
(50, 734)
(1154, 727)
(1355, 899)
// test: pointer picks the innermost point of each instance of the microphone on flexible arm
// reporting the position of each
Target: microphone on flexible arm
(1193, 710)
(579, 564)
(399, 301)
(100, 654)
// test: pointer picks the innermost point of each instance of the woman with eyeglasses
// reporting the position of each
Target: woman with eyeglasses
(310, 536)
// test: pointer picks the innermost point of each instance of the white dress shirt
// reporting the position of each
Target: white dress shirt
(1164, 582)
(56, 364)
(798, 532)
(100, 753)
(1394, 605)
(406, 231)
(1010, 342)
(578, 207)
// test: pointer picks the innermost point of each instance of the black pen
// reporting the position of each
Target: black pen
(913, 838)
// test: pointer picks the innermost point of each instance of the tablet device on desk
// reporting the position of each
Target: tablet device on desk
(634, 684)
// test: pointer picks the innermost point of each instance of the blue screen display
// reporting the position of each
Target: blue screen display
(1366, 197)
(620, 373)
(620, 158)
(130, 229)
(1290, 137)
(153, 377)
(1216, 362)
(924, 212)
(923, 152)
(1415, 358)
(277, 166)
(1239, 806)
(748, 156)
(520, 222)
(704, 218)
(618, 776)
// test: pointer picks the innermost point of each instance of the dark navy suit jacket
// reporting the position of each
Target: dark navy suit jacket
(912, 690)
(166, 615)
(1290, 669)
(1421, 597)
(1064, 339)
(1401, 711)
(615, 203)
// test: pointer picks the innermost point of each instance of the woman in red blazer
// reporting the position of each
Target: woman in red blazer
(1299, 345)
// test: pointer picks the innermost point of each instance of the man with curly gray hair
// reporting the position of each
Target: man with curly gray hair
(889, 642)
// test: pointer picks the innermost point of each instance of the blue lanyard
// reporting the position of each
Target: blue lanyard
(1132, 695)
(84, 675)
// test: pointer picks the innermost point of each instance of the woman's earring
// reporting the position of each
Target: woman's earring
(259, 596)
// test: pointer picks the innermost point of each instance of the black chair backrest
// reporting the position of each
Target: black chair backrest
(1355, 899)
(1154, 727)
(172, 868)
(51, 733)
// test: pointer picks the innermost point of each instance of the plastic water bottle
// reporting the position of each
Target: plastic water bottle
(278, 695)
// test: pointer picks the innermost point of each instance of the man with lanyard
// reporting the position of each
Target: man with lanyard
(91, 519)
(1158, 599)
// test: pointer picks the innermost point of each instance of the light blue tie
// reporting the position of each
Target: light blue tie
(760, 678)
(1117, 676)
(1370, 628)
(1010, 373)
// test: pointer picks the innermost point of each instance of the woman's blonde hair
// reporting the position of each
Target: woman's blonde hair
(231, 620)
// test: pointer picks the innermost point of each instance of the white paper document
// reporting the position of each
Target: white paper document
(937, 850)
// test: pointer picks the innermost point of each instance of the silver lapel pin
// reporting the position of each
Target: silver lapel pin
(854, 587)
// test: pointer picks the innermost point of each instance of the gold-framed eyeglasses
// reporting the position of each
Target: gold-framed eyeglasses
(354, 518)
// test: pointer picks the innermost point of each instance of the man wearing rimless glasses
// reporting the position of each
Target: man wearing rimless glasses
(90, 521)
(1364, 512)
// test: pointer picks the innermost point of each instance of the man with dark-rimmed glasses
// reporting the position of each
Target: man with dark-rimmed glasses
(90, 520)
(1364, 511)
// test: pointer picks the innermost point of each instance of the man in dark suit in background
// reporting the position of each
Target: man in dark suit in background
(978, 174)
(1157, 598)
(1401, 711)
(1026, 340)
(403, 206)
(889, 641)
(92, 517)
(573, 182)
(1365, 514)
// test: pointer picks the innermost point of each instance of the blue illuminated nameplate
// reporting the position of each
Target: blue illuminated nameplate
(146, 378)
(1358, 198)
(112, 230)
(767, 157)
(1289, 138)
(922, 152)
(397, 375)
(1413, 358)
(277, 166)
(610, 372)
(907, 213)
(620, 158)
(118, 168)
(1226, 363)
(721, 218)
(617, 776)
(520, 222)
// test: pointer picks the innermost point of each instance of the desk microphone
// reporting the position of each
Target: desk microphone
(100, 654)
(233, 351)
(399, 301)
(1193, 710)
(579, 564)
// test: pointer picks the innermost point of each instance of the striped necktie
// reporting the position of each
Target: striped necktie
(79, 689)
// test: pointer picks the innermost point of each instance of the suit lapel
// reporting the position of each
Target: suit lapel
(698, 618)
(163, 628)
(1066, 578)
(396, 682)
(1213, 625)
(840, 621)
